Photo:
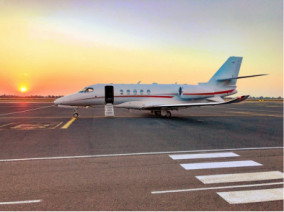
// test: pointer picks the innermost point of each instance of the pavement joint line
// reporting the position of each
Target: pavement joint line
(21, 202)
(257, 114)
(23, 111)
(256, 110)
(133, 154)
(68, 123)
(215, 188)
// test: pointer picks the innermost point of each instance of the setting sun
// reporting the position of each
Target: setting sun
(23, 89)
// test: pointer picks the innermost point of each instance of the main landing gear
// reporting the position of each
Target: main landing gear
(162, 113)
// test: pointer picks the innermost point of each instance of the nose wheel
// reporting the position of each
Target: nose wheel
(76, 114)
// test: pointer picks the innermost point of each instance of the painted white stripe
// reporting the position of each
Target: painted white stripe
(134, 154)
(217, 165)
(263, 195)
(240, 177)
(20, 202)
(214, 188)
(204, 155)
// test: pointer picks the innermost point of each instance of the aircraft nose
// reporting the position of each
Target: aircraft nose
(58, 101)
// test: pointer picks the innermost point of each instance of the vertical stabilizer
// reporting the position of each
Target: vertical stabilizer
(230, 69)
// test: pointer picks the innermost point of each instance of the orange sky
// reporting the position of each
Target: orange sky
(58, 48)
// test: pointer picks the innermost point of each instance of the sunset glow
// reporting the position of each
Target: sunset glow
(59, 47)
(23, 89)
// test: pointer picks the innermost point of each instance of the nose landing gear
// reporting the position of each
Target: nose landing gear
(75, 114)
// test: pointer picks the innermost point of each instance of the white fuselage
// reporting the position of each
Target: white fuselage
(122, 93)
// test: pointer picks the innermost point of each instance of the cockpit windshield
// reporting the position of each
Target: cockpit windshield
(86, 90)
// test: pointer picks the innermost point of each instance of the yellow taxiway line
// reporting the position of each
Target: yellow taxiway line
(68, 123)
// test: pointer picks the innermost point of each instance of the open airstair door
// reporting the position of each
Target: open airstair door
(109, 99)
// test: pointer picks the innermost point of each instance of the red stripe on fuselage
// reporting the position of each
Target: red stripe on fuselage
(145, 96)
(218, 92)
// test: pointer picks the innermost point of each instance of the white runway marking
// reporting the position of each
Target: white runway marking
(214, 188)
(133, 154)
(215, 165)
(240, 177)
(20, 202)
(204, 155)
(263, 195)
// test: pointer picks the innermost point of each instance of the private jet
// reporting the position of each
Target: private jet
(160, 99)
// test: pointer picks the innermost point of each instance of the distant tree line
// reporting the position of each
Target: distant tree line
(30, 96)
(265, 97)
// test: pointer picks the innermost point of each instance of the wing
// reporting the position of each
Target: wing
(141, 105)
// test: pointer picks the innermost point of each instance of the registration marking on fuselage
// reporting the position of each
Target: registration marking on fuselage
(204, 155)
(249, 196)
(240, 177)
(215, 165)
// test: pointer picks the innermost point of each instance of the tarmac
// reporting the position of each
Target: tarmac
(207, 158)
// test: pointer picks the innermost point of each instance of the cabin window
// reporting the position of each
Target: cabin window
(148, 92)
(121, 92)
(141, 91)
(135, 92)
(128, 92)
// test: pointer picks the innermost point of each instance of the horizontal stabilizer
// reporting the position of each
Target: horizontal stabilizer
(257, 75)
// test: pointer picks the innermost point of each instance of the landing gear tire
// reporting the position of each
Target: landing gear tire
(157, 113)
(75, 115)
(168, 114)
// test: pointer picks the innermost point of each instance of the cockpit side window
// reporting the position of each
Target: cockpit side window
(87, 90)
